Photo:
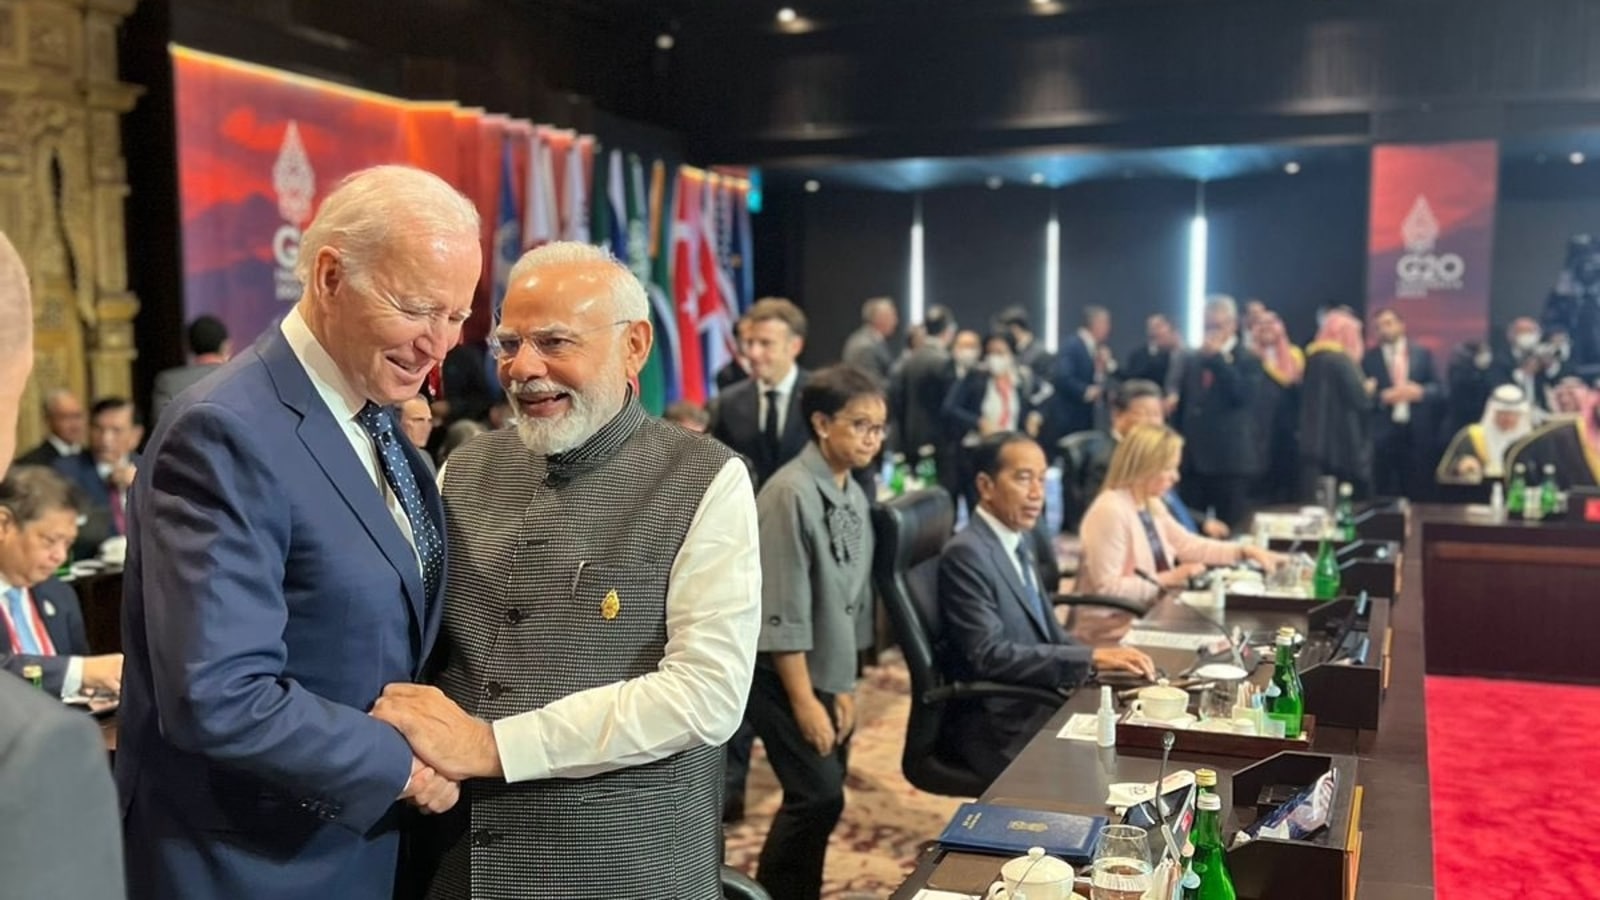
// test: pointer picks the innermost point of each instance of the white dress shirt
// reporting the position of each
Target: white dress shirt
(62, 447)
(72, 681)
(784, 388)
(697, 694)
(1400, 413)
(1010, 540)
(345, 402)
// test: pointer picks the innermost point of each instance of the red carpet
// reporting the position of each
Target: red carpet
(1504, 761)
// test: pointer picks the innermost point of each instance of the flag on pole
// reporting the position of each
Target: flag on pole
(542, 219)
(688, 283)
(743, 249)
(575, 191)
(507, 232)
(648, 229)
(718, 304)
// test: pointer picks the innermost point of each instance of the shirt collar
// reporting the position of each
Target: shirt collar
(1088, 340)
(62, 447)
(1231, 345)
(6, 586)
(343, 400)
(811, 459)
(786, 386)
(1009, 539)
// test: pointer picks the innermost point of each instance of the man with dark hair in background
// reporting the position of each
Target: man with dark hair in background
(1082, 370)
(737, 369)
(1403, 439)
(60, 838)
(104, 471)
(209, 348)
(68, 422)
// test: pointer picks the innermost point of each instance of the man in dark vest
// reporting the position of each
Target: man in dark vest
(600, 620)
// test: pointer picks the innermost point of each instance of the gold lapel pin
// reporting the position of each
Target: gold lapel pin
(611, 605)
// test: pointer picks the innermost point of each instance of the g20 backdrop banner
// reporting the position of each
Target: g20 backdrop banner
(1431, 239)
(259, 148)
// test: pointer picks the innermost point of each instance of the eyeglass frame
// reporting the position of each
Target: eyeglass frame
(497, 349)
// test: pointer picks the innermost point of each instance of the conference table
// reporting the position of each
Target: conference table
(1388, 829)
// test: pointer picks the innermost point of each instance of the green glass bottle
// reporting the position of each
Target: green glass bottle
(927, 468)
(1325, 578)
(1205, 780)
(1210, 854)
(1548, 491)
(897, 475)
(1517, 494)
(1346, 517)
(34, 675)
(1286, 697)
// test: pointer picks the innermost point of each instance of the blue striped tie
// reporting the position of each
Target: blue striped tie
(17, 606)
(379, 423)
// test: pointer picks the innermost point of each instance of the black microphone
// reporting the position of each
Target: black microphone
(1234, 642)
(1167, 740)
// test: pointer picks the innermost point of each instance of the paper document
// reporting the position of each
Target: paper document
(1169, 640)
(926, 894)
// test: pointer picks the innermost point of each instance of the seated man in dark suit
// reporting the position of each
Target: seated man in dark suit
(999, 624)
(68, 422)
(41, 623)
(104, 471)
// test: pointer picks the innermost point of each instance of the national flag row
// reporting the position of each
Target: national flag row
(684, 232)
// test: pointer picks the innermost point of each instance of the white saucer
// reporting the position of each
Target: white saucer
(1183, 721)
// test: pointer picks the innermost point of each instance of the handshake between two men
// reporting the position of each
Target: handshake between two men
(448, 745)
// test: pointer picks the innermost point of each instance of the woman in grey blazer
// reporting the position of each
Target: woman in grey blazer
(816, 602)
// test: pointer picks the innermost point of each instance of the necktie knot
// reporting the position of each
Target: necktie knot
(376, 420)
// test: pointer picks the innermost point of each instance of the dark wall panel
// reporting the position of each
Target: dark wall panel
(857, 245)
(984, 250)
(1540, 208)
(1293, 241)
(1125, 246)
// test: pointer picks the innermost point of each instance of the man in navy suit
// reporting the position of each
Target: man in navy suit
(1081, 371)
(759, 418)
(1403, 436)
(999, 624)
(104, 471)
(41, 623)
(285, 562)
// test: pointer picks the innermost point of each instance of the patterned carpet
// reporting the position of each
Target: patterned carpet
(886, 821)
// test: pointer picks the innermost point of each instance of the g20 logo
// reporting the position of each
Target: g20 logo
(1420, 273)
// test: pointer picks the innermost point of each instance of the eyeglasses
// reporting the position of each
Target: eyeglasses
(865, 428)
(550, 344)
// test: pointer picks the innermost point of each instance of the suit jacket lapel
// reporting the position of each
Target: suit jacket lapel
(326, 440)
(54, 622)
(1001, 560)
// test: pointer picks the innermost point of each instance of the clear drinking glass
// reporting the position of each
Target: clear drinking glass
(1121, 864)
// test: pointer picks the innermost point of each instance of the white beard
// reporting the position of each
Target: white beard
(590, 411)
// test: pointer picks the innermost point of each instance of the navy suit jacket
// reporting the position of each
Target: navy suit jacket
(268, 598)
(1074, 376)
(1421, 373)
(58, 607)
(963, 406)
(992, 634)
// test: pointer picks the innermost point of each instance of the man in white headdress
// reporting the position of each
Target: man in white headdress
(1478, 451)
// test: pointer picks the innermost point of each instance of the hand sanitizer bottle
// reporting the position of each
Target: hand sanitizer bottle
(1105, 726)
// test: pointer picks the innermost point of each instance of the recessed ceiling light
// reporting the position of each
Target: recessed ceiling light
(664, 41)
(994, 182)
(1037, 178)
(1292, 167)
(813, 185)
(786, 15)
(1576, 158)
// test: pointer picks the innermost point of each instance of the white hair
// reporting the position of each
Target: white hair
(1222, 303)
(871, 308)
(627, 294)
(370, 209)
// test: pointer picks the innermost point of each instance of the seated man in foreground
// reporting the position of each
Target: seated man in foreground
(999, 625)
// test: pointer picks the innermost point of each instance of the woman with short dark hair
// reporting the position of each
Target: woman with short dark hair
(816, 604)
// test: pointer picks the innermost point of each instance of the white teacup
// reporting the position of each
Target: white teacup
(1036, 876)
(1161, 702)
(114, 549)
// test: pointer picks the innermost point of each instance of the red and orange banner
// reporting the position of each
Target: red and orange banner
(1431, 239)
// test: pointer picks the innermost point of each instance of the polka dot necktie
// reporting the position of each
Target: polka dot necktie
(397, 471)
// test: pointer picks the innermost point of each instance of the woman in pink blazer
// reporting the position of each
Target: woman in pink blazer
(1128, 529)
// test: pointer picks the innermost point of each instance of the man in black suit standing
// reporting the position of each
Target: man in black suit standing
(868, 346)
(64, 840)
(68, 422)
(1403, 439)
(1221, 451)
(999, 623)
(759, 418)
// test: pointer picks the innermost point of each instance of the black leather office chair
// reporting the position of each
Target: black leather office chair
(738, 886)
(911, 530)
(1074, 452)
